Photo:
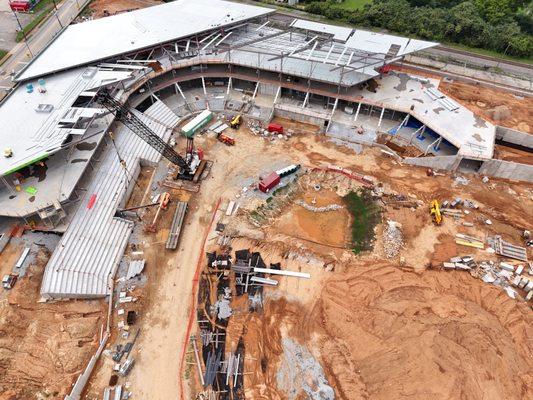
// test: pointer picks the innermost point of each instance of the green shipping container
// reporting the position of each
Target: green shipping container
(198, 122)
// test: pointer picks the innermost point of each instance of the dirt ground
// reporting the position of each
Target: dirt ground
(43, 346)
(103, 8)
(376, 329)
(497, 106)
(380, 332)
(372, 328)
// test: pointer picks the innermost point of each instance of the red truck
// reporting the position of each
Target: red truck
(269, 182)
(22, 5)
(275, 128)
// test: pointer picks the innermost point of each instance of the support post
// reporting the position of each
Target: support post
(255, 90)
(381, 116)
(332, 113)
(415, 133)
(357, 112)
(306, 100)
(437, 142)
(178, 89)
(277, 95)
(203, 86)
(229, 85)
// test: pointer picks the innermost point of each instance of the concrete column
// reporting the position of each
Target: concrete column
(255, 90)
(203, 86)
(229, 85)
(329, 52)
(7, 185)
(306, 100)
(277, 95)
(415, 133)
(178, 90)
(436, 147)
(422, 129)
(332, 113)
(381, 116)
(357, 112)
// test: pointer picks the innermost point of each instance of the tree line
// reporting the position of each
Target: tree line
(504, 26)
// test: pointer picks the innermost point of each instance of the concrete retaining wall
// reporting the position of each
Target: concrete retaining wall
(308, 119)
(507, 170)
(4, 239)
(267, 89)
(79, 386)
(516, 137)
(440, 162)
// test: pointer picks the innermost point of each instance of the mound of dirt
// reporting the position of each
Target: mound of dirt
(439, 335)
(499, 113)
(44, 346)
(384, 333)
(498, 106)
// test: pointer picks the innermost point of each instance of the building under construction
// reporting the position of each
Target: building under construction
(63, 170)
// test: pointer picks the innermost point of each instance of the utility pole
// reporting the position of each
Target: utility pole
(57, 16)
(23, 33)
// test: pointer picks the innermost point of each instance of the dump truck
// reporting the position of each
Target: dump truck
(269, 182)
(226, 139)
(275, 128)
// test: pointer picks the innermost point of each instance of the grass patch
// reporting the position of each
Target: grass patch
(41, 11)
(3, 53)
(366, 215)
(354, 4)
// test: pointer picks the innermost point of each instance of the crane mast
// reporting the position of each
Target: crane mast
(137, 126)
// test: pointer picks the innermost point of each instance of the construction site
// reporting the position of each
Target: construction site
(200, 200)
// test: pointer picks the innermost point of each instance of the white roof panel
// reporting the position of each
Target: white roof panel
(340, 33)
(473, 136)
(33, 133)
(381, 43)
(96, 40)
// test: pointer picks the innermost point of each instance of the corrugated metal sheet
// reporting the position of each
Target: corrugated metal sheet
(135, 268)
(161, 113)
(95, 241)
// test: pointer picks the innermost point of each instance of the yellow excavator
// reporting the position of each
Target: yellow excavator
(434, 211)
(236, 121)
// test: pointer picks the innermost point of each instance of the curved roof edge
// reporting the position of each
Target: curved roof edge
(96, 40)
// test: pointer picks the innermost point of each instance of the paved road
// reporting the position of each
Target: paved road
(9, 26)
(512, 67)
(21, 54)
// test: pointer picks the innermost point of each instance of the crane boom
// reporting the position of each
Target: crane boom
(137, 126)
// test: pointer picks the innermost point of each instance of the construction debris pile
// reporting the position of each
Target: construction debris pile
(392, 239)
(269, 133)
(508, 276)
(330, 207)
(229, 289)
